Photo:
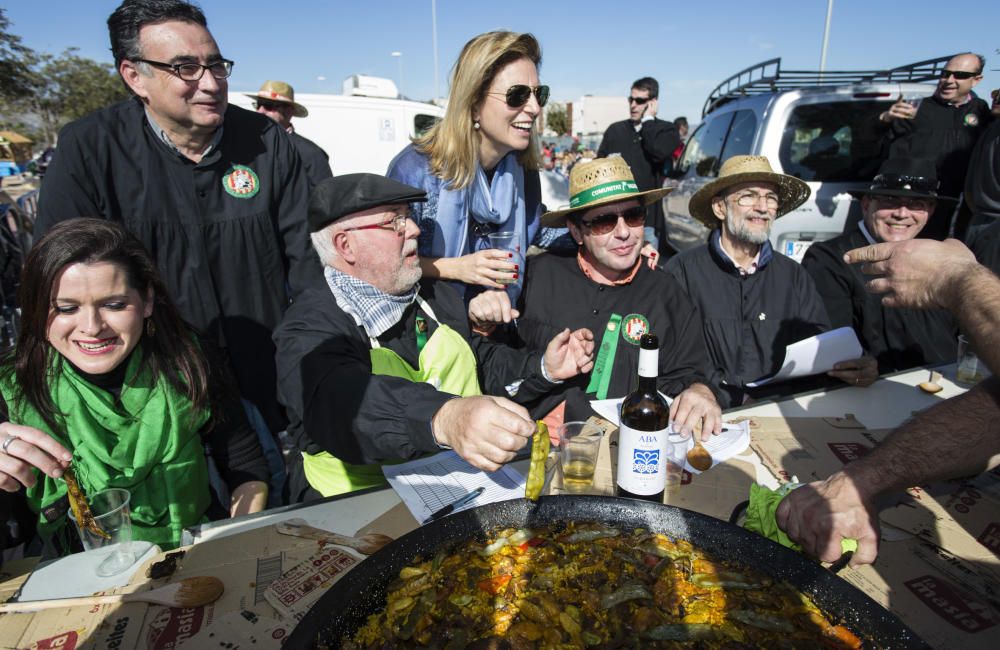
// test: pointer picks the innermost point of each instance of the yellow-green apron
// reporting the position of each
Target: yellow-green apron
(446, 362)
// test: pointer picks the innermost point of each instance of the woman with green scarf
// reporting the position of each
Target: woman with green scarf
(107, 376)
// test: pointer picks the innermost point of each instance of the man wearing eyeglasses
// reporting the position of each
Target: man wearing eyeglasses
(945, 128)
(215, 192)
(896, 208)
(376, 365)
(646, 143)
(276, 99)
(752, 301)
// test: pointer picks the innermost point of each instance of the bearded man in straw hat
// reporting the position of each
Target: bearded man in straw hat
(276, 99)
(753, 302)
(896, 207)
(606, 287)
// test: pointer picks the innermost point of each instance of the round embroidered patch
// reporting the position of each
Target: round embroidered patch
(633, 327)
(241, 182)
(971, 120)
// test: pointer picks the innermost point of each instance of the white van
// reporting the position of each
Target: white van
(360, 134)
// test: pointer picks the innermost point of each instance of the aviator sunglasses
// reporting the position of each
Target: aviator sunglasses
(602, 224)
(518, 95)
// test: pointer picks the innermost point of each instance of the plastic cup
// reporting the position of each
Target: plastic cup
(508, 241)
(970, 369)
(677, 445)
(111, 514)
(579, 443)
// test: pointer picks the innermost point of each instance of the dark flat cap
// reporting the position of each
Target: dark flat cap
(337, 197)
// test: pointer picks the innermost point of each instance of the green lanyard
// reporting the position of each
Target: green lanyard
(600, 376)
(421, 327)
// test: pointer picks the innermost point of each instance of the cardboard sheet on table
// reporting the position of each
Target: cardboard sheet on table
(960, 516)
(943, 599)
(809, 448)
(395, 523)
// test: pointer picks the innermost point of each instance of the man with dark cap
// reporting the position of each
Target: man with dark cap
(896, 207)
(276, 99)
(375, 365)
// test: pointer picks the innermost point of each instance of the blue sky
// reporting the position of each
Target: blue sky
(589, 47)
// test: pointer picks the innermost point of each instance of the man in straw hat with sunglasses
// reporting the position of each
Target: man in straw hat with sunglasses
(944, 127)
(276, 99)
(753, 302)
(896, 208)
(607, 287)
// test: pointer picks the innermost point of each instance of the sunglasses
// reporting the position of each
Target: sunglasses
(602, 224)
(958, 74)
(518, 95)
(638, 100)
(270, 106)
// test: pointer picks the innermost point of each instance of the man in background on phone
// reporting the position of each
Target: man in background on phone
(646, 143)
(945, 127)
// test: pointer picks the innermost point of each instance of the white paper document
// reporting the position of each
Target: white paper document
(428, 484)
(815, 355)
(610, 409)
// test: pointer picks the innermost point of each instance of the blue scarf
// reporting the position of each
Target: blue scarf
(371, 308)
(496, 207)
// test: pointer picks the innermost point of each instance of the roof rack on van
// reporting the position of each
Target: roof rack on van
(768, 77)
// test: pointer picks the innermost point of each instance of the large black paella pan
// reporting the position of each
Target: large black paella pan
(346, 606)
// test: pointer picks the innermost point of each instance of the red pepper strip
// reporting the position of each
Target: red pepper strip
(493, 585)
(534, 541)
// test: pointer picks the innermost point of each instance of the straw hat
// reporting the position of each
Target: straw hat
(279, 91)
(600, 181)
(792, 192)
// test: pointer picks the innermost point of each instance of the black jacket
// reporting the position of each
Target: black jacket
(227, 261)
(748, 321)
(982, 183)
(336, 404)
(946, 134)
(897, 338)
(646, 151)
(315, 161)
(558, 295)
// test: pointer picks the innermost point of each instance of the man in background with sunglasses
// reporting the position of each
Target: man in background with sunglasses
(945, 128)
(646, 143)
(753, 301)
(215, 192)
(276, 99)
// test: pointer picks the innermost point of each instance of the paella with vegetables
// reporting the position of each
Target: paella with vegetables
(590, 585)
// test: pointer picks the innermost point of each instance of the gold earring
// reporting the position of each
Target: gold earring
(150, 327)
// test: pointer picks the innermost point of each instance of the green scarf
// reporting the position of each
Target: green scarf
(147, 441)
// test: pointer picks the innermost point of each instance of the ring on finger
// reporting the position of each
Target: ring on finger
(6, 442)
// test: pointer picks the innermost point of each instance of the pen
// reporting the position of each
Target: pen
(454, 505)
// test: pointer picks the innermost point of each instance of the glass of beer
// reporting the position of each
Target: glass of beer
(508, 241)
(579, 443)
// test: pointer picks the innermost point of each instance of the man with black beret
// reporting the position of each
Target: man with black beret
(376, 366)
(897, 207)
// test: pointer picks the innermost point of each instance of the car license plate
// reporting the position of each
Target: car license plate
(796, 249)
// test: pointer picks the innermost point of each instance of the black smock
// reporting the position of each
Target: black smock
(982, 183)
(315, 161)
(335, 403)
(946, 134)
(557, 295)
(228, 262)
(897, 338)
(749, 320)
(646, 151)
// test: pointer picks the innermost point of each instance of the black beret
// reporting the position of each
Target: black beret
(337, 197)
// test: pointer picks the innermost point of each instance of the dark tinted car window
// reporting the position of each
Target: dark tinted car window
(835, 142)
(422, 123)
(740, 137)
(704, 149)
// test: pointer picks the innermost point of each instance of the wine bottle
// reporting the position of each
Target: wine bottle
(642, 438)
